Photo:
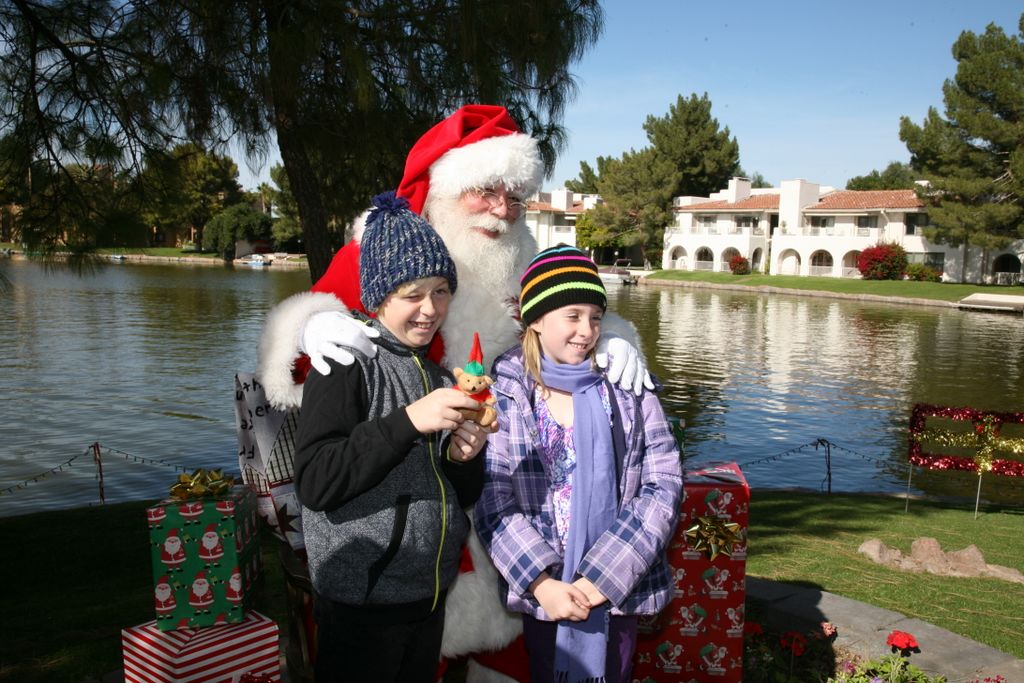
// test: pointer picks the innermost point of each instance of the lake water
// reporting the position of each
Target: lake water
(141, 359)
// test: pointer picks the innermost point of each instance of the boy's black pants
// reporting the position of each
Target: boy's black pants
(377, 642)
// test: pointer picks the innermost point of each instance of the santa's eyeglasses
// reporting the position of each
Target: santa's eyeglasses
(513, 203)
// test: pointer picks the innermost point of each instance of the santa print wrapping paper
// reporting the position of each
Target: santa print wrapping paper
(206, 557)
(222, 654)
(699, 635)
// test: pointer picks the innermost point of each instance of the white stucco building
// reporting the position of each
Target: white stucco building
(551, 216)
(802, 228)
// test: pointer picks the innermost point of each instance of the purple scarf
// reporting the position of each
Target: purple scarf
(580, 647)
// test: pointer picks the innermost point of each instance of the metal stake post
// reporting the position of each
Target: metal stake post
(906, 500)
(977, 496)
(98, 459)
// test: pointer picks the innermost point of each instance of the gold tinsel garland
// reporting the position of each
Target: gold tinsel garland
(985, 439)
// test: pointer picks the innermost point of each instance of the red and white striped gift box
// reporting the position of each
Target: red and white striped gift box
(216, 654)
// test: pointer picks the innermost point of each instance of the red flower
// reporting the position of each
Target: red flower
(829, 630)
(752, 628)
(795, 641)
(250, 677)
(903, 642)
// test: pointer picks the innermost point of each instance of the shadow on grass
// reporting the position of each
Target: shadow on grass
(779, 515)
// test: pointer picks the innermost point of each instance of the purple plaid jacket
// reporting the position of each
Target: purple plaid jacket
(515, 519)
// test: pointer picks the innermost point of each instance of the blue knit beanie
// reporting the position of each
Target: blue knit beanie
(399, 246)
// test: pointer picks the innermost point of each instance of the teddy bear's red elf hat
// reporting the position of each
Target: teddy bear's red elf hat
(475, 366)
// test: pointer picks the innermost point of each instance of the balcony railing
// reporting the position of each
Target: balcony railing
(703, 265)
(1003, 278)
(721, 230)
(821, 271)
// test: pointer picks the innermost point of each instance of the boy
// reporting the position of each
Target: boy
(382, 489)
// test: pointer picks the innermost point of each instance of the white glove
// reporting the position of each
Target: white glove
(327, 334)
(624, 365)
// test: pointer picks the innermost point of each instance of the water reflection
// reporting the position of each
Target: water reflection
(756, 375)
(141, 358)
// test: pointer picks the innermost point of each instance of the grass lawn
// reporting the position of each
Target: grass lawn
(943, 291)
(73, 579)
(812, 539)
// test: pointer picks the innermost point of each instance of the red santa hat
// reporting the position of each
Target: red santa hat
(477, 146)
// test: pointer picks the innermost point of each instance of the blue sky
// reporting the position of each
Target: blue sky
(809, 90)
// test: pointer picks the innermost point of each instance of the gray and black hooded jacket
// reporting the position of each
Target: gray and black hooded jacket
(382, 504)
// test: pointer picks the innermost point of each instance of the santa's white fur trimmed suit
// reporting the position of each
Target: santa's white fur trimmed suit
(477, 147)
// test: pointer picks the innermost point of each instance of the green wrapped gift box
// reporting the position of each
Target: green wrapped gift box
(206, 558)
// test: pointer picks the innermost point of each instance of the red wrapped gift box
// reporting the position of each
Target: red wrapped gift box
(216, 654)
(699, 635)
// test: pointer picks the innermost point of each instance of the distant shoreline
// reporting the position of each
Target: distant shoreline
(292, 262)
(767, 289)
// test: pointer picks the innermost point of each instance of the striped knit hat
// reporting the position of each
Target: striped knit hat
(399, 246)
(557, 277)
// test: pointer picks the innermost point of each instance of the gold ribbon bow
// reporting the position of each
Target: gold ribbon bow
(201, 483)
(713, 536)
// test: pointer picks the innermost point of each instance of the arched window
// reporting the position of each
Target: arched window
(850, 259)
(705, 259)
(821, 263)
(1006, 269)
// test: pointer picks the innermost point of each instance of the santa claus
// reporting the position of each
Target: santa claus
(210, 547)
(163, 596)
(172, 553)
(470, 177)
(233, 592)
(200, 597)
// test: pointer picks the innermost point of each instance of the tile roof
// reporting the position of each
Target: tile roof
(866, 199)
(577, 207)
(756, 201)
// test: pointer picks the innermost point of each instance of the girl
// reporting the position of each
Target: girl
(582, 484)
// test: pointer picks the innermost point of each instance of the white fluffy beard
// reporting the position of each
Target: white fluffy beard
(496, 258)
(488, 270)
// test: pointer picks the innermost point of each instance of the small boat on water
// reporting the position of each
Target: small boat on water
(117, 257)
(616, 274)
(253, 261)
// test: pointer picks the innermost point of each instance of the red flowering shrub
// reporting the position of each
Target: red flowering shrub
(752, 628)
(902, 642)
(739, 265)
(794, 641)
(883, 262)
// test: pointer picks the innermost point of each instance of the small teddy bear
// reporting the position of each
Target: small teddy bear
(472, 381)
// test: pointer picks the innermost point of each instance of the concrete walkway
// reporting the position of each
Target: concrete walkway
(864, 628)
